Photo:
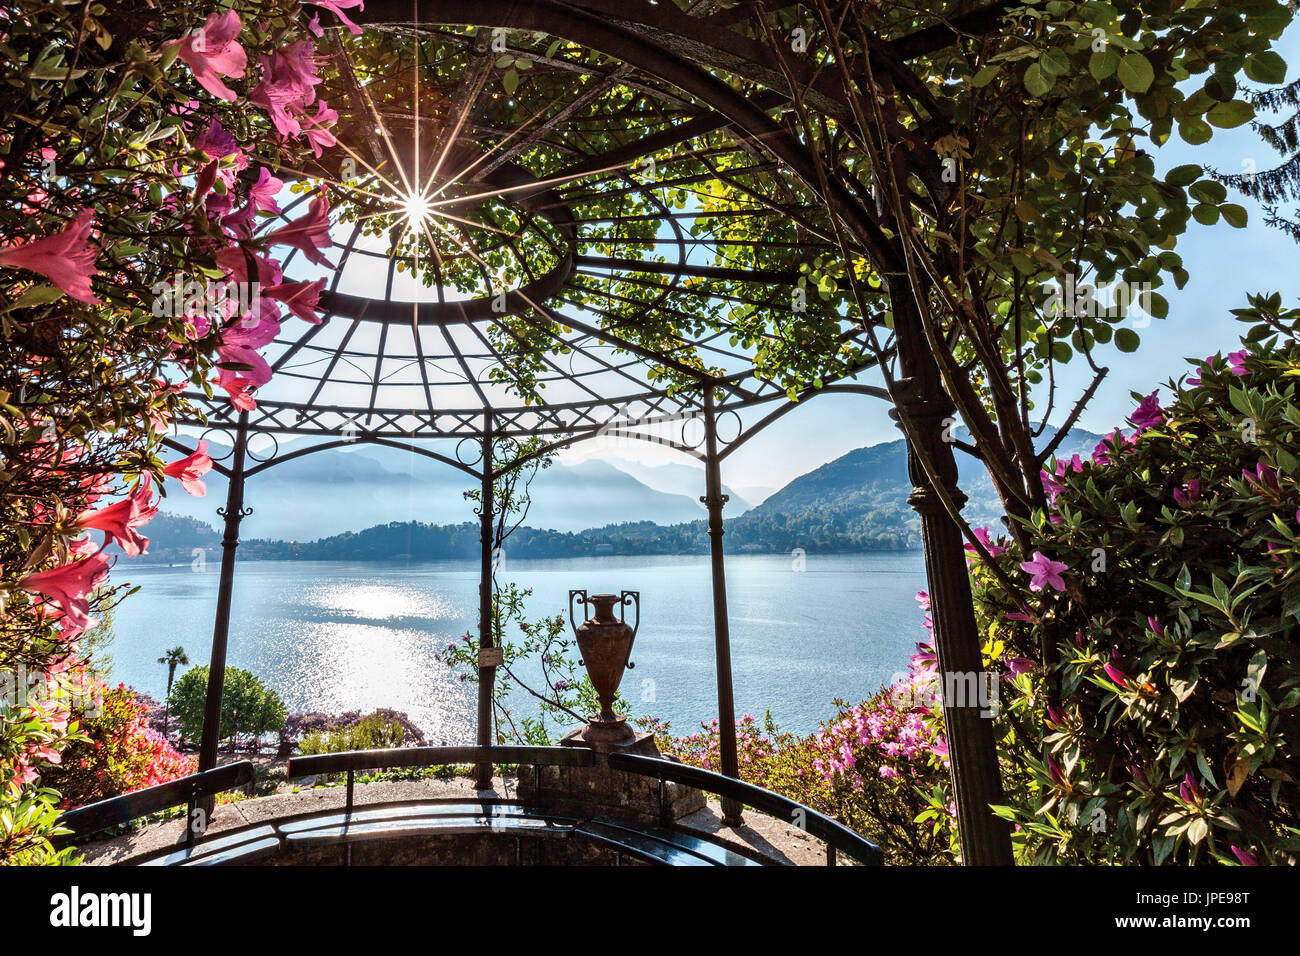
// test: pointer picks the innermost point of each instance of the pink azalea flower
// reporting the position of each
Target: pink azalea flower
(120, 520)
(982, 535)
(1264, 477)
(1148, 414)
(258, 371)
(1188, 493)
(1237, 362)
(337, 7)
(190, 469)
(235, 261)
(1156, 627)
(1115, 674)
(309, 233)
(1019, 665)
(66, 258)
(216, 142)
(213, 51)
(1051, 487)
(1044, 571)
(316, 131)
(1245, 857)
(1054, 771)
(300, 297)
(237, 388)
(1208, 362)
(70, 586)
(1188, 789)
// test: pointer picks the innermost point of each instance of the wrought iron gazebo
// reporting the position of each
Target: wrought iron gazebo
(530, 246)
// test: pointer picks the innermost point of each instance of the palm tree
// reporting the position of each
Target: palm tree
(173, 658)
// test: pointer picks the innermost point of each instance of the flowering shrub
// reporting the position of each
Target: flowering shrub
(1165, 586)
(118, 753)
(136, 142)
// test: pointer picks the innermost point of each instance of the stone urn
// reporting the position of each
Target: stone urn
(605, 642)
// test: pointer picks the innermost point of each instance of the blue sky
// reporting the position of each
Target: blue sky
(1225, 265)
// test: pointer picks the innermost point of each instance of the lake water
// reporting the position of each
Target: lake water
(334, 636)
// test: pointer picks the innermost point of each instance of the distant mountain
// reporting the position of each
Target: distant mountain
(331, 492)
(678, 479)
(858, 502)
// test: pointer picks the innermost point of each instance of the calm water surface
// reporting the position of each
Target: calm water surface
(335, 636)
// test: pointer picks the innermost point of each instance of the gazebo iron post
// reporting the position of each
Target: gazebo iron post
(486, 671)
(972, 748)
(713, 500)
(234, 512)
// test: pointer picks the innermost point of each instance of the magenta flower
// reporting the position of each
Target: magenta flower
(1245, 857)
(1019, 665)
(1156, 627)
(216, 142)
(1188, 789)
(66, 258)
(1188, 493)
(1044, 571)
(337, 7)
(1148, 414)
(1116, 675)
(212, 52)
(1264, 477)
(70, 586)
(1054, 771)
(1237, 362)
(316, 131)
(982, 536)
(309, 234)
(190, 469)
(1209, 367)
(1051, 487)
(300, 297)
(1055, 716)
(120, 520)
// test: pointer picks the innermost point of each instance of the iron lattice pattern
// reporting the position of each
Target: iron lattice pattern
(527, 224)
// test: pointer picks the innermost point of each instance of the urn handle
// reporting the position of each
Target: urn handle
(581, 595)
(633, 597)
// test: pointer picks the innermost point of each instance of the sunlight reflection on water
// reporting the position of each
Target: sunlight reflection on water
(335, 636)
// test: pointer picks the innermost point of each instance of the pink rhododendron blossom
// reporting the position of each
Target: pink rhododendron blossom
(982, 536)
(1117, 675)
(1149, 414)
(1245, 857)
(190, 469)
(1188, 493)
(213, 51)
(1264, 477)
(316, 128)
(309, 233)
(1019, 665)
(1188, 789)
(66, 258)
(216, 142)
(121, 520)
(1044, 571)
(1237, 362)
(337, 7)
(301, 298)
(1051, 487)
(70, 586)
